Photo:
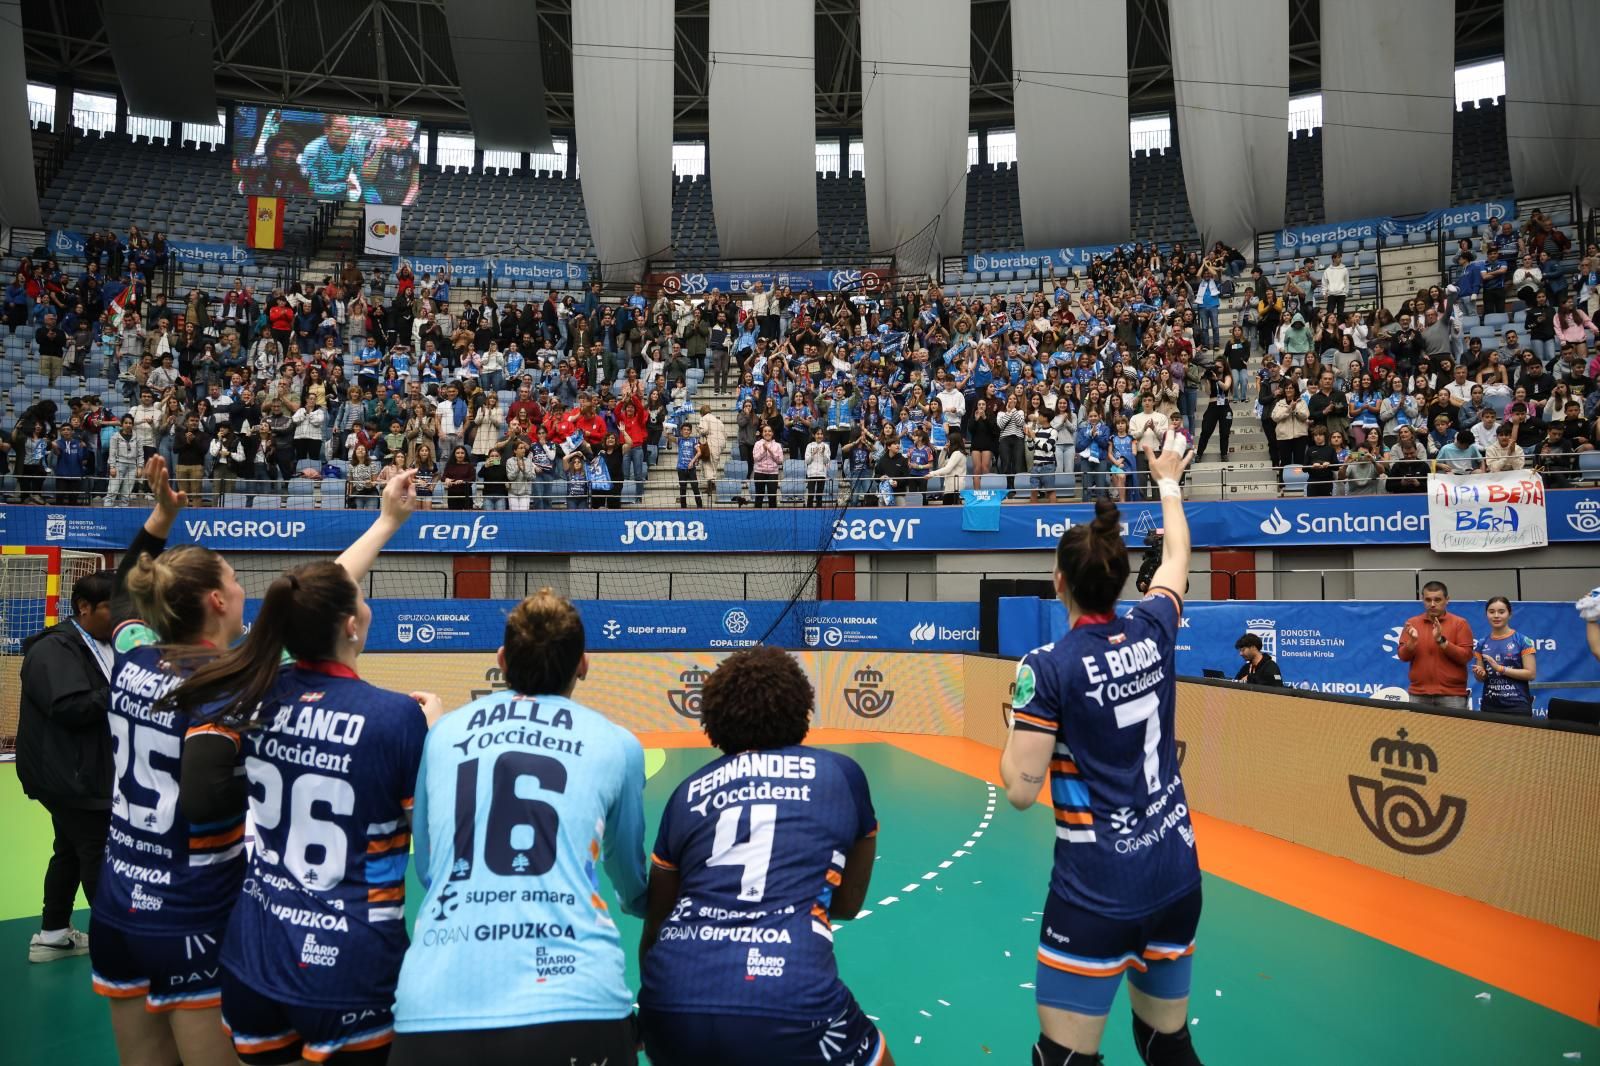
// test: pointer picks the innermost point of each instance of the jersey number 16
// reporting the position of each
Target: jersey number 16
(521, 837)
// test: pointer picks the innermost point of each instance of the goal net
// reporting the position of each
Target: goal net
(35, 593)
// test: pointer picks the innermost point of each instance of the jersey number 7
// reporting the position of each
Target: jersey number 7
(1146, 709)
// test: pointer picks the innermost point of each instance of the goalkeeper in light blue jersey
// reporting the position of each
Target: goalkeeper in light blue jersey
(522, 795)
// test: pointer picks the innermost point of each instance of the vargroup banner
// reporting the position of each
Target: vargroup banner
(1337, 521)
(656, 625)
(703, 284)
(1493, 211)
(69, 244)
(1486, 512)
(557, 275)
(382, 232)
(1041, 260)
(1334, 648)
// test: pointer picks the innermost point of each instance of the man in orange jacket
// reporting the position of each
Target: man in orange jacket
(1438, 645)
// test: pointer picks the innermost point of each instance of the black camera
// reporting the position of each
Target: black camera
(1151, 561)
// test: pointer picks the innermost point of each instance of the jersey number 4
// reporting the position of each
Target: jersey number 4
(521, 837)
(753, 855)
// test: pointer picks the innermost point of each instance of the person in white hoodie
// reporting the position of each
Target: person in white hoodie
(122, 464)
(1336, 284)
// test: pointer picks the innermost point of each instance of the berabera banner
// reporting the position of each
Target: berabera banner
(1491, 512)
(1340, 649)
(1359, 229)
(682, 625)
(698, 283)
(1337, 521)
(1042, 259)
(69, 244)
(556, 274)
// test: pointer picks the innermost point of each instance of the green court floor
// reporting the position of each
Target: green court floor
(943, 954)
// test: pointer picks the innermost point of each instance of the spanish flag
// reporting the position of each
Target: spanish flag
(265, 228)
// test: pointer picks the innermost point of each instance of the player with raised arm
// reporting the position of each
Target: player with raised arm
(758, 853)
(523, 794)
(169, 881)
(1094, 713)
(329, 768)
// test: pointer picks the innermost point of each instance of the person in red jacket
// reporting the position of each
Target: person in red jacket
(1438, 645)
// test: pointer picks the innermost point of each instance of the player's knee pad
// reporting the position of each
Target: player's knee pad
(1163, 1049)
(1049, 1053)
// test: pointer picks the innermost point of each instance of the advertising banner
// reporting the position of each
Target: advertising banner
(1044, 259)
(1493, 812)
(1494, 512)
(1333, 648)
(701, 283)
(1338, 521)
(69, 244)
(1495, 211)
(654, 625)
(557, 275)
(660, 692)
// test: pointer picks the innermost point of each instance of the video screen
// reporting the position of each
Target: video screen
(307, 154)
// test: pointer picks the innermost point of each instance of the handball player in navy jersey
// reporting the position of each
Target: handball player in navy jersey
(1093, 713)
(169, 881)
(758, 853)
(329, 768)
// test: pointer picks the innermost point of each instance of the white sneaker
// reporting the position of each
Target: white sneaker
(41, 950)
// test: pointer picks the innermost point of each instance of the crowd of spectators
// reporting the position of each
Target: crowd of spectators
(567, 399)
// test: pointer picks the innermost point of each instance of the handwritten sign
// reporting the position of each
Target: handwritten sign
(1486, 512)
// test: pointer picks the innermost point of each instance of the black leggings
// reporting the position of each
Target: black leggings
(767, 489)
(1217, 417)
(557, 1044)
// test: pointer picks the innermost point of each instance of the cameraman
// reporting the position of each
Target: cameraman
(1259, 667)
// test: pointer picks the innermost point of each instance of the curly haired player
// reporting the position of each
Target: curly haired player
(758, 852)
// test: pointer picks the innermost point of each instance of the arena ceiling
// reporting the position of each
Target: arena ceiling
(393, 56)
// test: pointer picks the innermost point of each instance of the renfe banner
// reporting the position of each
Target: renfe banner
(1495, 211)
(557, 275)
(1336, 648)
(1486, 512)
(69, 244)
(675, 625)
(1338, 521)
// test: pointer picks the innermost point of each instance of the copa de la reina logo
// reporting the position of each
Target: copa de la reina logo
(1394, 806)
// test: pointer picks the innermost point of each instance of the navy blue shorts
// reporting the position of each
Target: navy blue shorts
(1082, 954)
(848, 1039)
(169, 972)
(266, 1032)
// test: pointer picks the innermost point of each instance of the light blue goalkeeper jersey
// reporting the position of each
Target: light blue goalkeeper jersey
(519, 800)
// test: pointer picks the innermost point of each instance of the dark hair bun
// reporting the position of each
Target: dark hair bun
(1107, 520)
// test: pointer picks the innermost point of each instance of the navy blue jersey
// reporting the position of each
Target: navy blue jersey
(1107, 692)
(332, 771)
(760, 840)
(162, 876)
(1498, 689)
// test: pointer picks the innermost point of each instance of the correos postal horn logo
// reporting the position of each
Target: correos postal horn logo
(868, 699)
(1393, 806)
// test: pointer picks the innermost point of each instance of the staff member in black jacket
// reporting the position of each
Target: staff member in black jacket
(64, 755)
(1259, 667)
